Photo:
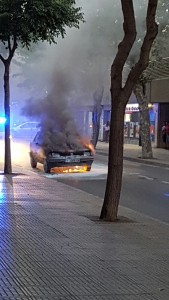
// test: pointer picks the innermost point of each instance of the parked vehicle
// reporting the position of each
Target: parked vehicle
(25, 131)
(66, 160)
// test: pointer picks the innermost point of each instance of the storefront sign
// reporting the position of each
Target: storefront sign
(131, 108)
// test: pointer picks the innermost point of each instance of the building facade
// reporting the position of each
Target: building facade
(158, 93)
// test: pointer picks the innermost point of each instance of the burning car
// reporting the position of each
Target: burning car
(69, 157)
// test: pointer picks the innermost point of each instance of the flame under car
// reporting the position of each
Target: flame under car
(66, 161)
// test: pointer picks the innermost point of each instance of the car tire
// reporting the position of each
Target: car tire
(88, 168)
(33, 162)
(46, 167)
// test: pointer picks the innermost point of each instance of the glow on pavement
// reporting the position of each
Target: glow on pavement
(19, 152)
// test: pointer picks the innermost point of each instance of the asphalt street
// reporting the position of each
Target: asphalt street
(145, 188)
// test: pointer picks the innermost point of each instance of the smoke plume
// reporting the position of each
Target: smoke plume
(57, 127)
(58, 78)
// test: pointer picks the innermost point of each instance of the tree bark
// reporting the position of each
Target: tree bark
(140, 92)
(7, 158)
(11, 46)
(119, 97)
(115, 165)
(97, 110)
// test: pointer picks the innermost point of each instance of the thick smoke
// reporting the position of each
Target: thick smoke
(58, 78)
(57, 127)
(66, 76)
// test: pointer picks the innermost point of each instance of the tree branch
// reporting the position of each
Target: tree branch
(9, 44)
(152, 31)
(13, 48)
(125, 46)
(2, 59)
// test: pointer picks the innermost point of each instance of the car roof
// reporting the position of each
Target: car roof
(27, 123)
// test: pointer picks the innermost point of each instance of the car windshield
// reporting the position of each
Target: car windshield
(38, 138)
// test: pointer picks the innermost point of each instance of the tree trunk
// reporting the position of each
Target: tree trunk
(120, 94)
(11, 46)
(96, 129)
(7, 162)
(97, 110)
(140, 92)
(115, 165)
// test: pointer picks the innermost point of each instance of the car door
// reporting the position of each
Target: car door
(37, 148)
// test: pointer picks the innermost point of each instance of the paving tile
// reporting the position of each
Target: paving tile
(49, 250)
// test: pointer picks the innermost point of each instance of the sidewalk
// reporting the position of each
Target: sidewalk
(133, 153)
(53, 246)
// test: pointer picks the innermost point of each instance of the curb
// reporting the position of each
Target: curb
(140, 160)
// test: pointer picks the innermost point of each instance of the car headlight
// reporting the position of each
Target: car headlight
(87, 154)
(55, 155)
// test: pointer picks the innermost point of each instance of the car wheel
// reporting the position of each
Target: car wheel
(46, 167)
(33, 162)
(88, 168)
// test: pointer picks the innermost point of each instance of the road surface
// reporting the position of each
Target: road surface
(145, 188)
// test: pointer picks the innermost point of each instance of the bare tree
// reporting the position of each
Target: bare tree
(17, 29)
(143, 101)
(97, 110)
(158, 52)
(119, 97)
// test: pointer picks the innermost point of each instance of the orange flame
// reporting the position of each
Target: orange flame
(86, 142)
(73, 169)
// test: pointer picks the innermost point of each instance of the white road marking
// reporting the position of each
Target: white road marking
(98, 172)
(151, 166)
(133, 173)
(146, 177)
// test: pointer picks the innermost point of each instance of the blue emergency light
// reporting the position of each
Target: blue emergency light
(2, 120)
